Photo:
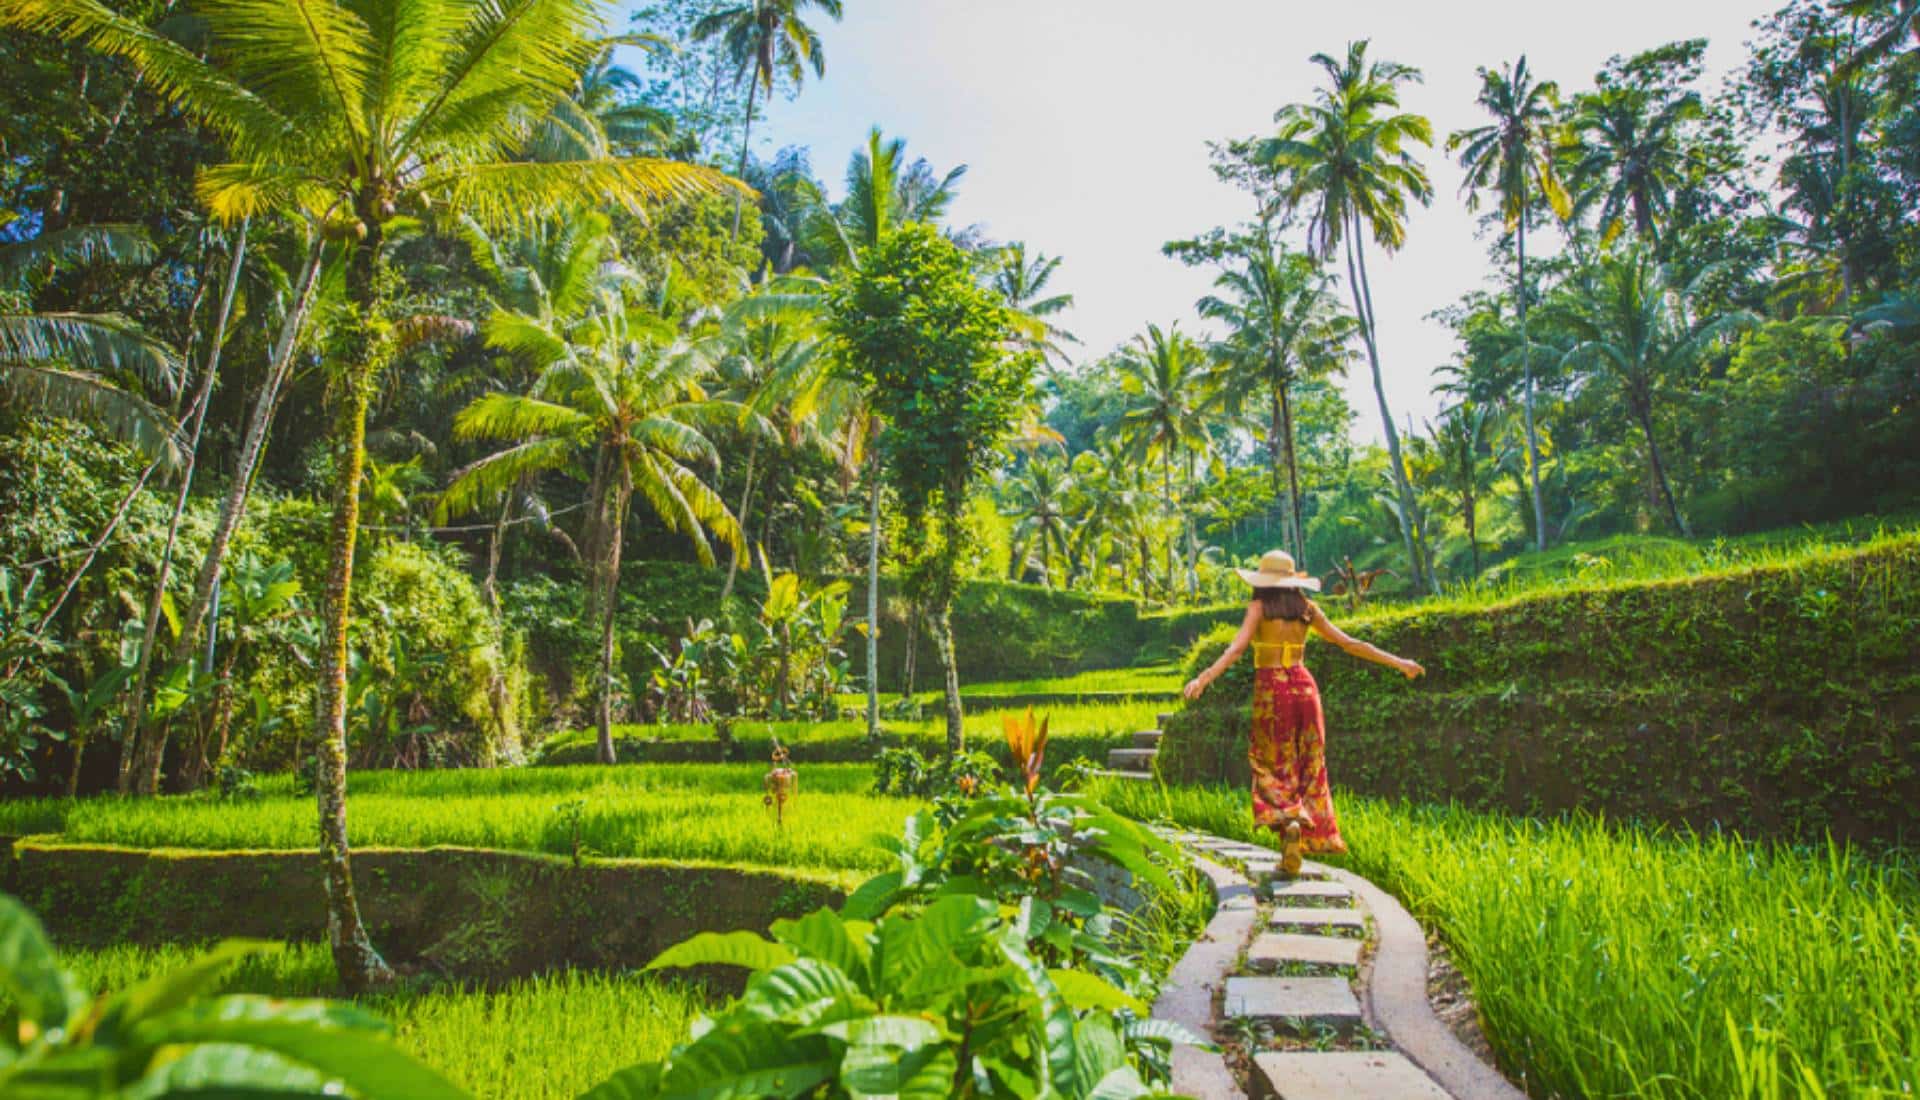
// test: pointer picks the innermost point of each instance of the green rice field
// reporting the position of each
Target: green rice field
(546, 1038)
(705, 813)
(1612, 961)
(1087, 722)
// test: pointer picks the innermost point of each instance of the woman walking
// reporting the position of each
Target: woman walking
(1288, 749)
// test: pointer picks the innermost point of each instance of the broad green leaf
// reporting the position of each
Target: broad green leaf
(823, 935)
(1097, 1051)
(30, 973)
(899, 1032)
(925, 1073)
(641, 1082)
(803, 993)
(1154, 1030)
(1084, 992)
(166, 992)
(873, 897)
(367, 1065)
(1122, 1083)
(916, 951)
(724, 949)
(741, 1058)
(220, 1070)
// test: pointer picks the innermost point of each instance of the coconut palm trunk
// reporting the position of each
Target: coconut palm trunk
(233, 508)
(1285, 408)
(1643, 412)
(746, 148)
(746, 500)
(873, 594)
(1526, 367)
(1363, 307)
(354, 956)
(143, 749)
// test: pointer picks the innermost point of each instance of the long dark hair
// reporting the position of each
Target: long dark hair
(1284, 603)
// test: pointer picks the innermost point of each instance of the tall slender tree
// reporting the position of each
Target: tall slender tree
(343, 113)
(1348, 159)
(1284, 327)
(768, 40)
(1172, 396)
(1514, 156)
(615, 400)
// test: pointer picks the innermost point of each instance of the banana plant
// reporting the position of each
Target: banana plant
(168, 1037)
(941, 1001)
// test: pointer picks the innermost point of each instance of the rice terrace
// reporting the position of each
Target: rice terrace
(719, 549)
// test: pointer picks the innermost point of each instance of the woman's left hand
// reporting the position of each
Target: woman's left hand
(1194, 687)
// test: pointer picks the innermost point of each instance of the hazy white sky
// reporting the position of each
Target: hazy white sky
(1084, 124)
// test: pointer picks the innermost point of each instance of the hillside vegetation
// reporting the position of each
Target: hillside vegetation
(1780, 696)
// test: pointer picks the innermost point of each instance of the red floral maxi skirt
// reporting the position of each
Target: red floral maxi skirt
(1288, 752)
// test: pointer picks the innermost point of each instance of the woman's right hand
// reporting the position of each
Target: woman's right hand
(1194, 687)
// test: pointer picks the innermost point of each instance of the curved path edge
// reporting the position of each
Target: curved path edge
(1393, 998)
(1396, 1000)
(1187, 996)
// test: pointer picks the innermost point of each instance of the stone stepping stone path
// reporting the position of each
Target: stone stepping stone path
(1136, 760)
(1310, 975)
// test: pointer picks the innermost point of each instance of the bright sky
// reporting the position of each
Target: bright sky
(1084, 124)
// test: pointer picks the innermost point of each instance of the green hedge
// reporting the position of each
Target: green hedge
(473, 914)
(1005, 631)
(1781, 700)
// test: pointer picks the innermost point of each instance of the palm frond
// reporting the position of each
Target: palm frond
(50, 391)
(74, 246)
(483, 482)
(510, 192)
(101, 343)
(511, 417)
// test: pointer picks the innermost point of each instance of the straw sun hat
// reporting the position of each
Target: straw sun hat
(1277, 571)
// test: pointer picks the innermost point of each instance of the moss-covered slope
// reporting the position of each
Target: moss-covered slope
(1782, 699)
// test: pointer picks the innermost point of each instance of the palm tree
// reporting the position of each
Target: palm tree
(766, 39)
(1633, 325)
(1021, 282)
(73, 364)
(344, 113)
(1514, 156)
(1171, 398)
(884, 191)
(1459, 440)
(1348, 158)
(613, 402)
(1283, 328)
(1629, 157)
(1037, 498)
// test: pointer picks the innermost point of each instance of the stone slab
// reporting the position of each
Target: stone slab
(1342, 1075)
(1146, 739)
(1324, 1002)
(1310, 888)
(1326, 919)
(1272, 950)
(1131, 759)
(1262, 868)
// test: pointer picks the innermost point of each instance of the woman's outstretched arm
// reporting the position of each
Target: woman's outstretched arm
(1234, 649)
(1366, 652)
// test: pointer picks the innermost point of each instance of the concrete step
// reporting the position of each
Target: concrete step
(1285, 890)
(1307, 1003)
(1131, 760)
(1147, 739)
(1161, 719)
(1341, 1075)
(1273, 950)
(1109, 773)
(1323, 921)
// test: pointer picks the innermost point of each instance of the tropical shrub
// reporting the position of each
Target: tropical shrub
(984, 965)
(1776, 698)
(167, 1037)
